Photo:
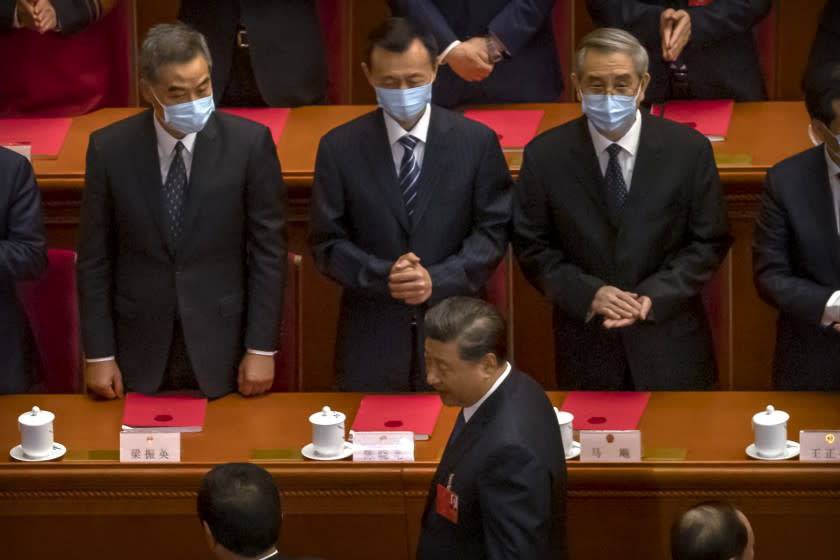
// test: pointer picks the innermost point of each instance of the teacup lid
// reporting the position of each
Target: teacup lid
(771, 417)
(36, 417)
(327, 417)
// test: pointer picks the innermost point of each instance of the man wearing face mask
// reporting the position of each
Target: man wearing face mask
(619, 220)
(410, 205)
(182, 238)
(796, 251)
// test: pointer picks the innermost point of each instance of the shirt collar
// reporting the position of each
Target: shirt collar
(166, 142)
(470, 410)
(628, 142)
(396, 131)
(833, 168)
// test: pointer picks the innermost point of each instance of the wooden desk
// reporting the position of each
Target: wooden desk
(745, 326)
(94, 509)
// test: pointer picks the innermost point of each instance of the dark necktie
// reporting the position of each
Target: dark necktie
(173, 192)
(459, 425)
(616, 187)
(409, 172)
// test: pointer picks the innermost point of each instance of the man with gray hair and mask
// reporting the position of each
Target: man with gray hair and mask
(182, 248)
(619, 219)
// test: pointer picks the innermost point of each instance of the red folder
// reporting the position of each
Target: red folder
(400, 413)
(603, 410)
(274, 118)
(45, 135)
(514, 127)
(710, 116)
(170, 413)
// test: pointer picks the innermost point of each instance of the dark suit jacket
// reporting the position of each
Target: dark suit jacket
(721, 55)
(508, 470)
(530, 73)
(287, 52)
(23, 256)
(224, 279)
(796, 260)
(668, 240)
(359, 227)
(824, 50)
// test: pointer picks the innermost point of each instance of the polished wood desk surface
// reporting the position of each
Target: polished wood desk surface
(714, 427)
(768, 132)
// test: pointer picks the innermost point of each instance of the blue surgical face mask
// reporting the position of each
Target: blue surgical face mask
(610, 113)
(404, 104)
(190, 116)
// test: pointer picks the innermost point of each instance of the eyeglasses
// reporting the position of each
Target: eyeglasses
(599, 89)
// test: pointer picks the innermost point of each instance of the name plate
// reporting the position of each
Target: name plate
(383, 446)
(150, 447)
(819, 445)
(619, 446)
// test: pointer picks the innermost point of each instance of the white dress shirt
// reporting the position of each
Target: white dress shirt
(832, 307)
(166, 149)
(470, 410)
(629, 148)
(396, 131)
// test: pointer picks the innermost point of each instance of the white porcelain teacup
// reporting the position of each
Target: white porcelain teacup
(36, 432)
(327, 432)
(770, 427)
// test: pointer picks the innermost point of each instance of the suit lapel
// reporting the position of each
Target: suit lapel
(380, 162)
(435, 161)
(645, 168)
(588, 171)
(207, 156)
(148, 170)
(822, 204)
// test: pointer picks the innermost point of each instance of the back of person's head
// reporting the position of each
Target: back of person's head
(240, 507)
(822, 89)
(397, 34)
(711, 531)
(472, 323)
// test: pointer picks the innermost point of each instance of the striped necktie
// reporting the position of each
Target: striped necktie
(409, 172)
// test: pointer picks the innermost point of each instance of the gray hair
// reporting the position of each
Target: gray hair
(609, 40)
(170, 43)
(473, 324)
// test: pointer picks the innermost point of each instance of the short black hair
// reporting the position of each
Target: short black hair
(473, 324)
(241, 506)
(709, 531)
(396, 35)
(822, 87)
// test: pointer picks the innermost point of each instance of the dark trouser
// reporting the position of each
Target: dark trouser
(179, 374)
(241, 89)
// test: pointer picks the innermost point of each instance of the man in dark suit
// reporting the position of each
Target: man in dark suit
(239, 508)
(493, 51)
(796, 252)
(699, 49)
(182, 238)
(824, 51)
(23, 256)
(410, 205)
(264, 53)
(500, 488)
(619, 220)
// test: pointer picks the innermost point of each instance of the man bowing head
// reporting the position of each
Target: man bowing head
(500, 488)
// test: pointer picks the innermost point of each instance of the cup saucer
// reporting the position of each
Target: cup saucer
(308, 451)
(791, 451)
(574, 451)
(57, 451)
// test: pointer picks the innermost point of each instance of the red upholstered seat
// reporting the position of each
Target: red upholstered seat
(52, 308)
(287, 363)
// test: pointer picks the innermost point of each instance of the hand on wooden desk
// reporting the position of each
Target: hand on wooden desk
(256, 374)
(104, 379)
